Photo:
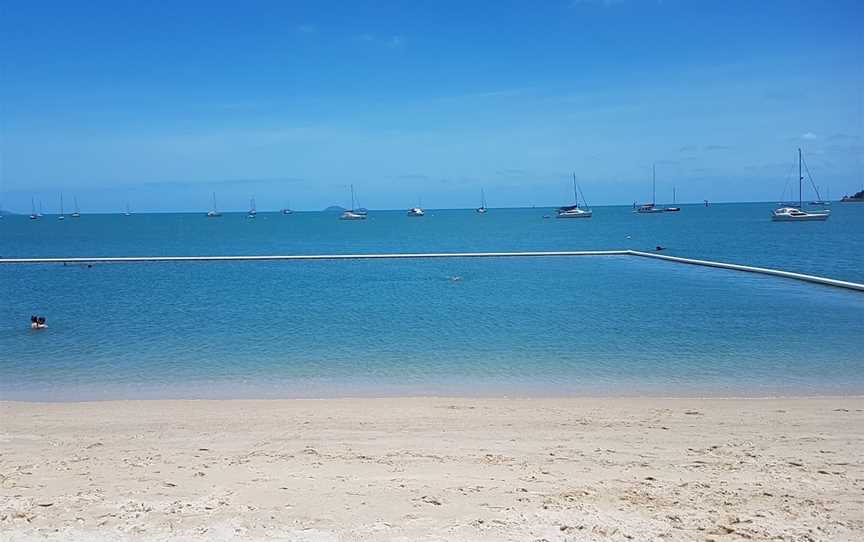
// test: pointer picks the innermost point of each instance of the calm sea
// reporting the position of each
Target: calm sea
(527, 327)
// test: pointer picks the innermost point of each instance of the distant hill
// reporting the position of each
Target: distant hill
(6, 213)
(334, 209)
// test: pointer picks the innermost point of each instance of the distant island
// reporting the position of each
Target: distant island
(334, 209)
(856, 197)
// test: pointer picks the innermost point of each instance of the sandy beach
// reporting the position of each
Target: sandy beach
(434, 469)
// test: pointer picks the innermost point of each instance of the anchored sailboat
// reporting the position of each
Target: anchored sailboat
(353, 213)
(253, 212)
(798, 214)
(213, 213)
(417, 211)
(648, 208)
(33, 214)
(674, 208)
(574, 211)
(482, 208)
(77, 213)
(61, 216)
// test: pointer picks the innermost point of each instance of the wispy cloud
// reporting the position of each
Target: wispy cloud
(604, 3)
(714, 148)
(393, 41)
(809, 136)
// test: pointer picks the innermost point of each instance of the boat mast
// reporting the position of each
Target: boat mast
(575, 192)
(653, 184)
(800, 182)
(352, 197)
(61, 204)
(674, 200)
(214, 202)
(482, 198)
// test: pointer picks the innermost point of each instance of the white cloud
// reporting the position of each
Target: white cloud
(809, 136)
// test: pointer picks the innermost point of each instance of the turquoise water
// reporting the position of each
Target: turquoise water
(545, 326)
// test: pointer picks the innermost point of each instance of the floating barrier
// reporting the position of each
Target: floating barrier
(430, 255)
(749, 269)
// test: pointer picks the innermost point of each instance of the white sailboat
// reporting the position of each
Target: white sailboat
(574, 211)
(128, 211)
(213, 213)
(674, 208)
(33, 214)
(650, 208)
(353, 213)
(253, 212)
(799, 214)
(77, 213)
(482, 209)
(819, 202)
(61, 216)
(417, 211)
(287, 210)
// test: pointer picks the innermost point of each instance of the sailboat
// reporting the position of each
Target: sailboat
(819, 202)
(253, 212)
(482, 208)
(128, 211)
(798, 214)
(77, 213)
(352, 213)
(61, 216)
(674, 208)
(287, 210)
(213, 213)
(417, 211)
(648, 208)
(574, 211)
(33, 214)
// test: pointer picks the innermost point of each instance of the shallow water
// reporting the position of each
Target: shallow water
(560, 326)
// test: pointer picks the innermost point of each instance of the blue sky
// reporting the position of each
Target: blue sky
(161, 103)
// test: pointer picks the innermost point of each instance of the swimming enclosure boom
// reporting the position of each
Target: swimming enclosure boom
(705, 263)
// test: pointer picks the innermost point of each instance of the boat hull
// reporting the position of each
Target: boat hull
(812, 217)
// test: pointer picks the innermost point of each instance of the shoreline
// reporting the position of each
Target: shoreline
(372, 398)
(433, 468)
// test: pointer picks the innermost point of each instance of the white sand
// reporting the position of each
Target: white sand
(434, 469)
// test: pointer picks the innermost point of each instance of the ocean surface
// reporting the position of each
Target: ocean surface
(520, 327)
